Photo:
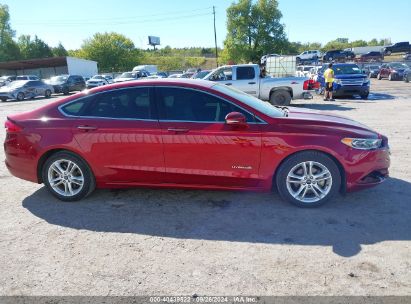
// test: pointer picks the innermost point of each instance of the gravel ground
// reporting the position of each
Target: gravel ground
(176, 242)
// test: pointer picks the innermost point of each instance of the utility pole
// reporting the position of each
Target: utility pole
(215, 38)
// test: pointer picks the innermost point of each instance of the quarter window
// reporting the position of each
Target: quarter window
(190, 105)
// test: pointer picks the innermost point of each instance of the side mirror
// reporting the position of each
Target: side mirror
(236, 119)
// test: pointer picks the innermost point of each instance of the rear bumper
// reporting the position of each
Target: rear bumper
(370, 170)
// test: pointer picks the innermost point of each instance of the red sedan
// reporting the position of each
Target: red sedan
(191, 134)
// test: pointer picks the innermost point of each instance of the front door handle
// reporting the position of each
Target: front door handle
(177, 130)
(86, 128)
(228, 84)
(252, 82)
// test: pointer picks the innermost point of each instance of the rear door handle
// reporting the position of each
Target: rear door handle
(177, 130)
(252, 82)
(86, 128)
(228, 84)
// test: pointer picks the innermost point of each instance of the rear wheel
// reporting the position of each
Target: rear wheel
(3, 99)
(379, 76)
(20, 96)
(66, 91)
(280, 98)
(308, 179)
(407, 79)
(47, 94)
(68, 177)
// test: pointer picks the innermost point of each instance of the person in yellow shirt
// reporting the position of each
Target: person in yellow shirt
(329, 80)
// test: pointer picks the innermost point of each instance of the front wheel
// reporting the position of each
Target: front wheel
(390, 78)
(280, 98)
(4, 99)
(20, 96)
(364, 96)
(68, 177)
(379, 76)
(406, 79)
(308, 179)
(47, 94)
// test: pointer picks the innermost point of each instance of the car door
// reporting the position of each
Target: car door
(119, 133)
(223, 75)
(29, 89)
(199, 148)
(246, 80)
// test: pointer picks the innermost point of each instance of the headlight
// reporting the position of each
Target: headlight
(394, 71)
(366, 81)
(337, 81)
(362, 143)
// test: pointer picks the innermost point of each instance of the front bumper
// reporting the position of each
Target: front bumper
(350, 90)
(8, 95)
(368, 168)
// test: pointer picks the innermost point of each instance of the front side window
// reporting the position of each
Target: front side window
(122, 104)
(189, 105)
(245, 73)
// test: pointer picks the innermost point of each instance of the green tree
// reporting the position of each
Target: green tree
(33, 48)
(8, 47)
(59, 51)
(373, 42)
(253, 29)
(112, 51)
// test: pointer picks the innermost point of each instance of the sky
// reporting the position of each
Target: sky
(185, 23)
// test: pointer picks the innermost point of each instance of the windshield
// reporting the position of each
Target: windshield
(58, 78)
(97, 77)
(201, 74)
(374, 67)
(17, 83)
(255, 103)
(127, 75)
(346, 69)
(398, 65)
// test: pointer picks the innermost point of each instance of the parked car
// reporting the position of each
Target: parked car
(407, 56)
(338, 55)
(204, 135)
(109, 78)
(96, 81)
(392, 71)
(309, 56)
(407, 75)
(349, 80)
(372, 70)
(371, 57)
(134, 75)
(27, 77)
(398, 47)
(303, 71)
(21, 89)
(263, 59)
(248, 78)
(67, 83)
(201, 74)
(175, 75)
(4, 80)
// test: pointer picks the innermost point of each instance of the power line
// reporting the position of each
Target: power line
(175, 14)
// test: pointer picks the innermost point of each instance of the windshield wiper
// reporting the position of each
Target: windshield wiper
(285, 110)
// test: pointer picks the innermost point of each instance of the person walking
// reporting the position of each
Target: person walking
(329, 80)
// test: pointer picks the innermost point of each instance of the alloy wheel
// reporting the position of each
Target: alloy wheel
(65, 177)
(309, 182)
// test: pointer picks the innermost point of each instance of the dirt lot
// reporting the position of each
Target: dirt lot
(146, 242)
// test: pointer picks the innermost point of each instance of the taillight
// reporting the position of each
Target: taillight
(12, 127)
(310, 84)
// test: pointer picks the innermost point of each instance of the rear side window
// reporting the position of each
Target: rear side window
(122, 104)
(189, 105)
(244, 73)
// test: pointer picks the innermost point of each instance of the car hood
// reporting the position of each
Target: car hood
(55, 82)
(324, 120)
(6, 89)
(123, 79)
(95, 80)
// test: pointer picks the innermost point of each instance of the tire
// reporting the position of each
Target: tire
(330, 59)
(47, 94)
(3, 99)
(280, 98)
(20, 96)
(406, 79)
(291, 184)
(390, 78)
(81, 180)
(66, 91)
(379, 76)
(388, 53)
(364, 96)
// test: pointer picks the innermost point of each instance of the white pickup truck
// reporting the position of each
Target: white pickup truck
(247, 78)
